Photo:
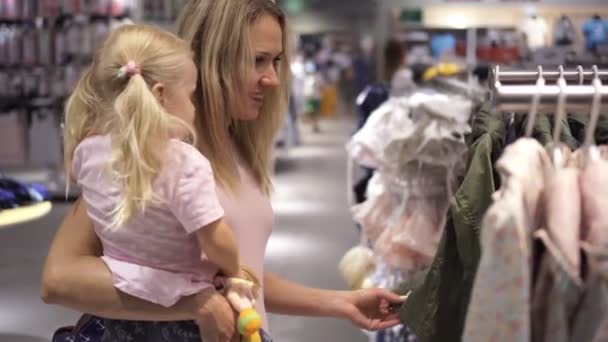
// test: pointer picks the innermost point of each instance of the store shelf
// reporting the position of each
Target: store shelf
(10, 217)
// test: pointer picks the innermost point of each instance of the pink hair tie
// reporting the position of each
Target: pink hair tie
(129, 69)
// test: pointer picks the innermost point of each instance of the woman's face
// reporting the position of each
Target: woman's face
(267, 43)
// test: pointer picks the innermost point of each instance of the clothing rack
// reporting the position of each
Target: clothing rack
(527, 76)
(514, 91)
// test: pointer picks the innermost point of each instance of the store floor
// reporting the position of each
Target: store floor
(313, 229)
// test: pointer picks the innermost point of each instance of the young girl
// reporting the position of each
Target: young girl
(150, 193)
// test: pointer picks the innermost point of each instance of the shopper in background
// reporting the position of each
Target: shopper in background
(362, 70)
(595, 32)
(343, 60)
(313, 91)
(240, 49)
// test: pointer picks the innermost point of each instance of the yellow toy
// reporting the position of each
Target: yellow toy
(241, 294)
(441, 69)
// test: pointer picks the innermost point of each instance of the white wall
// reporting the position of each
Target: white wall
(503, 15)
(318, 21)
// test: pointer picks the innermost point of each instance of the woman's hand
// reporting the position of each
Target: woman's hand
(214, 316)
(369, 308)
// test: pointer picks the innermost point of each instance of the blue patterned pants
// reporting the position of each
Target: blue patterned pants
(136, 331)
(95, 329)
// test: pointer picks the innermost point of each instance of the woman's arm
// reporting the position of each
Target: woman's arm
(367, 309)
(287, 298)
(75, 277)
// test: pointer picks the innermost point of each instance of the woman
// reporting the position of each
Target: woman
(240, 48)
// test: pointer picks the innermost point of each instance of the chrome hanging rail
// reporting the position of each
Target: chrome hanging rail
(513, 91)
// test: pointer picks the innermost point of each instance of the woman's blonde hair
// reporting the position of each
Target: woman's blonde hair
(108, 101)
(219, 35)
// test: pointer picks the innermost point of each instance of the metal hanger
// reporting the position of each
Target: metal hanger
(560, 114)
(593, 153)
(581, 74)
(540, 83)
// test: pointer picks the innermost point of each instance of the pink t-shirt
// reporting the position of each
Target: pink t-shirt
(155, 257)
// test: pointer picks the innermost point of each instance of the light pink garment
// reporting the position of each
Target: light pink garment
(153, 256)
(563, 215)
(593, 183)
(397, 256)
(499, 308)
(421, 226)
(374, 214)
(525, 163)
(410, 243)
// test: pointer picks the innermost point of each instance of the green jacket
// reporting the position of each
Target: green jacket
(436, 308)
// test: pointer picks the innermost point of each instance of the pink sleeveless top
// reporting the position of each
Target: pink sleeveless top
(250, 215)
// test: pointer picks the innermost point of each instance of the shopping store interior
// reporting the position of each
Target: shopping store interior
(448, 151)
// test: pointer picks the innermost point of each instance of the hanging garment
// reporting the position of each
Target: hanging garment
(367, 146)
(410, 241)
(543, 131)
(556, 295)
(438, 302)
(417, 164)
(499, 307)
(562, 212)
(436, 307)
(591, 323)
(578, 123)
(401, 118)
(438, 135)
(374, 214)
(595, 215)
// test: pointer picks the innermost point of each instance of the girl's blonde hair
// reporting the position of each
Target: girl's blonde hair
(124, 107)
(219, 35)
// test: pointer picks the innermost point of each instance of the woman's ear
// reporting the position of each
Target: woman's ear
(159, 92)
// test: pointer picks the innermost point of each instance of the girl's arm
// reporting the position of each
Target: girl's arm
(219, 246)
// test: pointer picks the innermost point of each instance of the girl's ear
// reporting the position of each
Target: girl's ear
(159, 92)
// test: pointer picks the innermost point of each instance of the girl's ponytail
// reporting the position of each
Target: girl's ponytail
(139, 124)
